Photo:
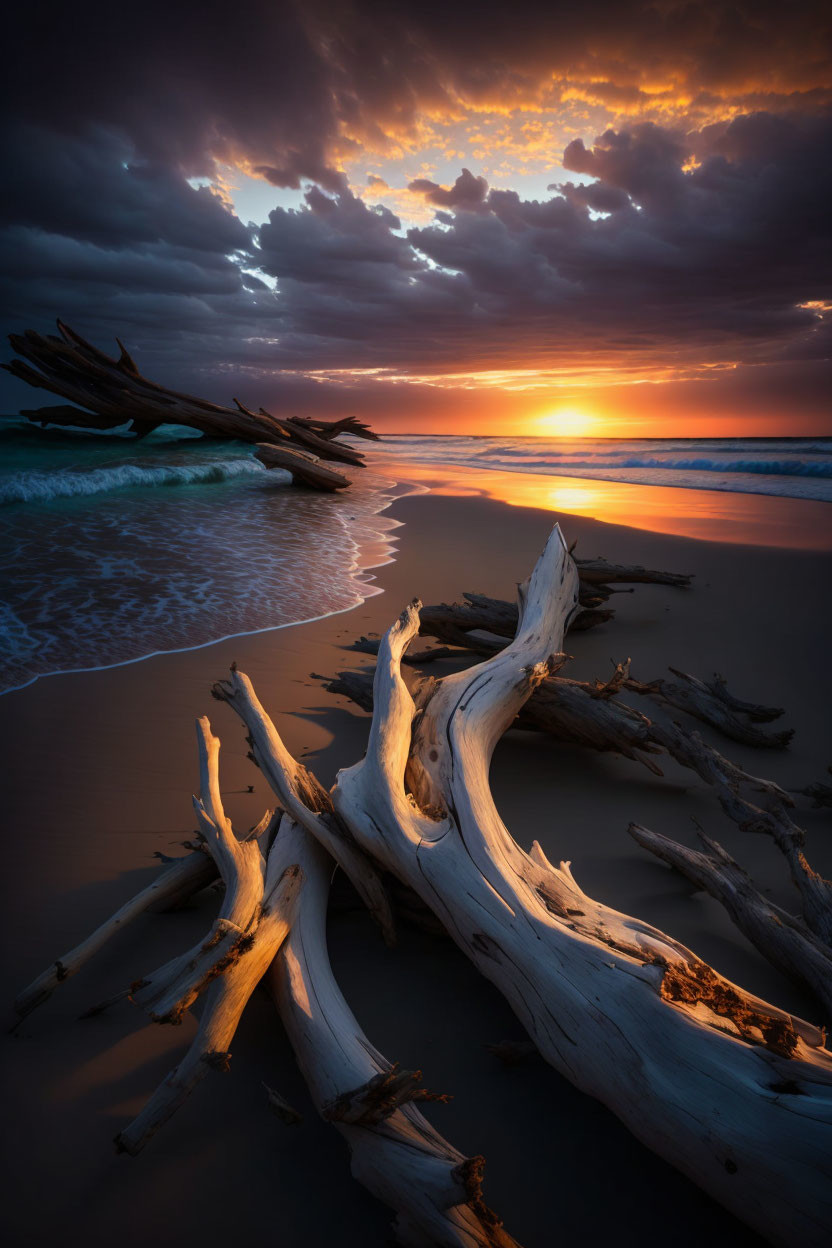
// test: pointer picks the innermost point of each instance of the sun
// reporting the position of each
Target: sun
(566, 422)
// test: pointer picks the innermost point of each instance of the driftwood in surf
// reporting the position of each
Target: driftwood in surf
(106, 392)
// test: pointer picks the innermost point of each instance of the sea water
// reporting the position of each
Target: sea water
(113, 549)
(787, 467)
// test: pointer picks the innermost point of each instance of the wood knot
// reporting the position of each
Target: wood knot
(217, 1060)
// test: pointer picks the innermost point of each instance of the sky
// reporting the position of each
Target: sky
(611, 219)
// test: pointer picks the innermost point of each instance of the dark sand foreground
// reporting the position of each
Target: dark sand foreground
(99, 772)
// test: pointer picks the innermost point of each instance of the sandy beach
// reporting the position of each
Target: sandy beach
(101, 766)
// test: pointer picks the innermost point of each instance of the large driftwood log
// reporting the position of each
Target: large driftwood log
(701, 1071)
(589, 714)
(107, 392)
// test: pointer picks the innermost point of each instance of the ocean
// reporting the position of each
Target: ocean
(114, 549)
(786, 467)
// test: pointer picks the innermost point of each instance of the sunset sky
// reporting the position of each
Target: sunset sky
(599, 218)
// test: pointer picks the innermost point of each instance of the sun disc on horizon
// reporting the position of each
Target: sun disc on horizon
(567, 422)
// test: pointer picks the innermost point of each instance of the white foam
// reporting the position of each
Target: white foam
(30, 487)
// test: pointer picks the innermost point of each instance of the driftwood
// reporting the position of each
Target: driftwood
(479, 623)
(820, 793)
(701, 1071)
(711, 702)
(106, 392)
(600, 571)
(176, 884)
(589, 714)
(785, 941)
(396, 1153)
(261, 892)
(277, 880)
(730, 1089)
(475, 623)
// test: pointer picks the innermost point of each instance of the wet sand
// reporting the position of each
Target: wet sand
(100, 767)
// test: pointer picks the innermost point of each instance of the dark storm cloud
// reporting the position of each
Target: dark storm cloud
(467, 191)
(114, 109)
(680, 261)
(271, 81)
(96, 189)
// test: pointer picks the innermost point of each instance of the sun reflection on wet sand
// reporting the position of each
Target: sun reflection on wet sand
(710, 515)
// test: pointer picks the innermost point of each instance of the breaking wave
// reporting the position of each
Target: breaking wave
(788, 467)
(113, 550)
(31, 487)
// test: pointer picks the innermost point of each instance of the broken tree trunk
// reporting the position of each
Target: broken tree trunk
(108, 392)
(733, 1091)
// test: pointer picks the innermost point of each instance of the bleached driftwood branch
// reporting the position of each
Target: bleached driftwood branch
(396, 1153)
(701, 1071)
(302, 796)
(261, 890)
(589, 714)
(274, 882)
(179, 881)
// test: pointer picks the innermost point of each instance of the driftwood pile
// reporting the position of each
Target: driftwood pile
(733, 1091)
(106, 392)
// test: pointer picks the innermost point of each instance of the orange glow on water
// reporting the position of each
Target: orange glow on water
(709, 515)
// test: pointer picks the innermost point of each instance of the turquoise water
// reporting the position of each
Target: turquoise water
(113, 549)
